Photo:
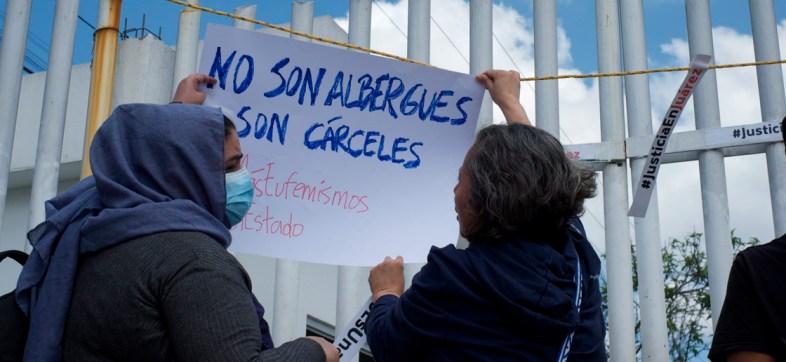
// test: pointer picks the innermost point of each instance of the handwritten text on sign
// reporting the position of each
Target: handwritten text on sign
(353, 157)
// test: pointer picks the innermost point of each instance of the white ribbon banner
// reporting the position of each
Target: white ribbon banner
(649, 174)
(353, 335)
(756, 132)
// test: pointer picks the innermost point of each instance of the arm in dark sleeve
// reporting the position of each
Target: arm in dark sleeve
(403, 329)
(741, 325)
(210, 316)
(388, 333)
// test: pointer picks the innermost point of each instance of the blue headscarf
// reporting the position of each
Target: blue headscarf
(155, 168)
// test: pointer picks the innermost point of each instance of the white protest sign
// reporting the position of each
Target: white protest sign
(353, 157)
(649, 173)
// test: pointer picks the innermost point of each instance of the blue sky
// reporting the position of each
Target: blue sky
(664, 20)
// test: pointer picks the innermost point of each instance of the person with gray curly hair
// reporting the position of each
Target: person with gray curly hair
(526, 288)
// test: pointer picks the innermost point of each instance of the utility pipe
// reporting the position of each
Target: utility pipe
(102, 74)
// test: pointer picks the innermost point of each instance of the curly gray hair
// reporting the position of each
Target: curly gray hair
(523, 184)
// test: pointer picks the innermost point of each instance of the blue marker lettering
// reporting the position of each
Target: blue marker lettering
(380, 156)
(313, 88)
(397, 148)
(282, 86)
(407, 103)
(337, 90)
(425, 115)
(371, 99)
(291, 90)
(249, 74)
(354, 153)
(459, 121)
(221, 68)
(369, 140)
(390, 96)
(364, 81)
(438, 103)
(416, 162)
(307, 139)
(281, 127)
(341, 135)
(243, 133)
(345, 102)
(259, 133)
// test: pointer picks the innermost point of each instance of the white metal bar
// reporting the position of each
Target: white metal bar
(712, 169)
(652, 299)
(50, 133)
(12, 57)
(285, 302)
(360, 22)
(771, 100)
(286, 321)
(480, 60)
(302, 19)
(350, 279)
(480, 50)
(249, 11)
(615, 188)
(546, 92)
(418, 49)
(699, 140)
(419, 30)
(187, 44)
(683, 146)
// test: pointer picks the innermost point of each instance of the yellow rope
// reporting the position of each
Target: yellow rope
(648, 71)
(525, 79)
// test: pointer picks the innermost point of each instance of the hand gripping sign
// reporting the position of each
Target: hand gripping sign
(649, 174)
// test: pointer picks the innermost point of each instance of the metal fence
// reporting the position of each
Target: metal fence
(619, 156)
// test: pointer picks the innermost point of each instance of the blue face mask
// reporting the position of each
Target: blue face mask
(240, 193)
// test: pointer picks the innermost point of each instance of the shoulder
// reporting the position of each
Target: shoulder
(776, 247)
(173, 252)
(765, 256)
(444, 266)
(447, 259)
(445, 253)
(172, 243)
(444, 256)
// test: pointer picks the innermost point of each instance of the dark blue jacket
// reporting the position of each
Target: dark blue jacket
(512, 300)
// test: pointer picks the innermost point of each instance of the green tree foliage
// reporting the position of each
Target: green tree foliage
(686, 287)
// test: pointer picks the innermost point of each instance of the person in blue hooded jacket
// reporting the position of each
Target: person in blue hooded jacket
(131, 263)
(526, 288)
